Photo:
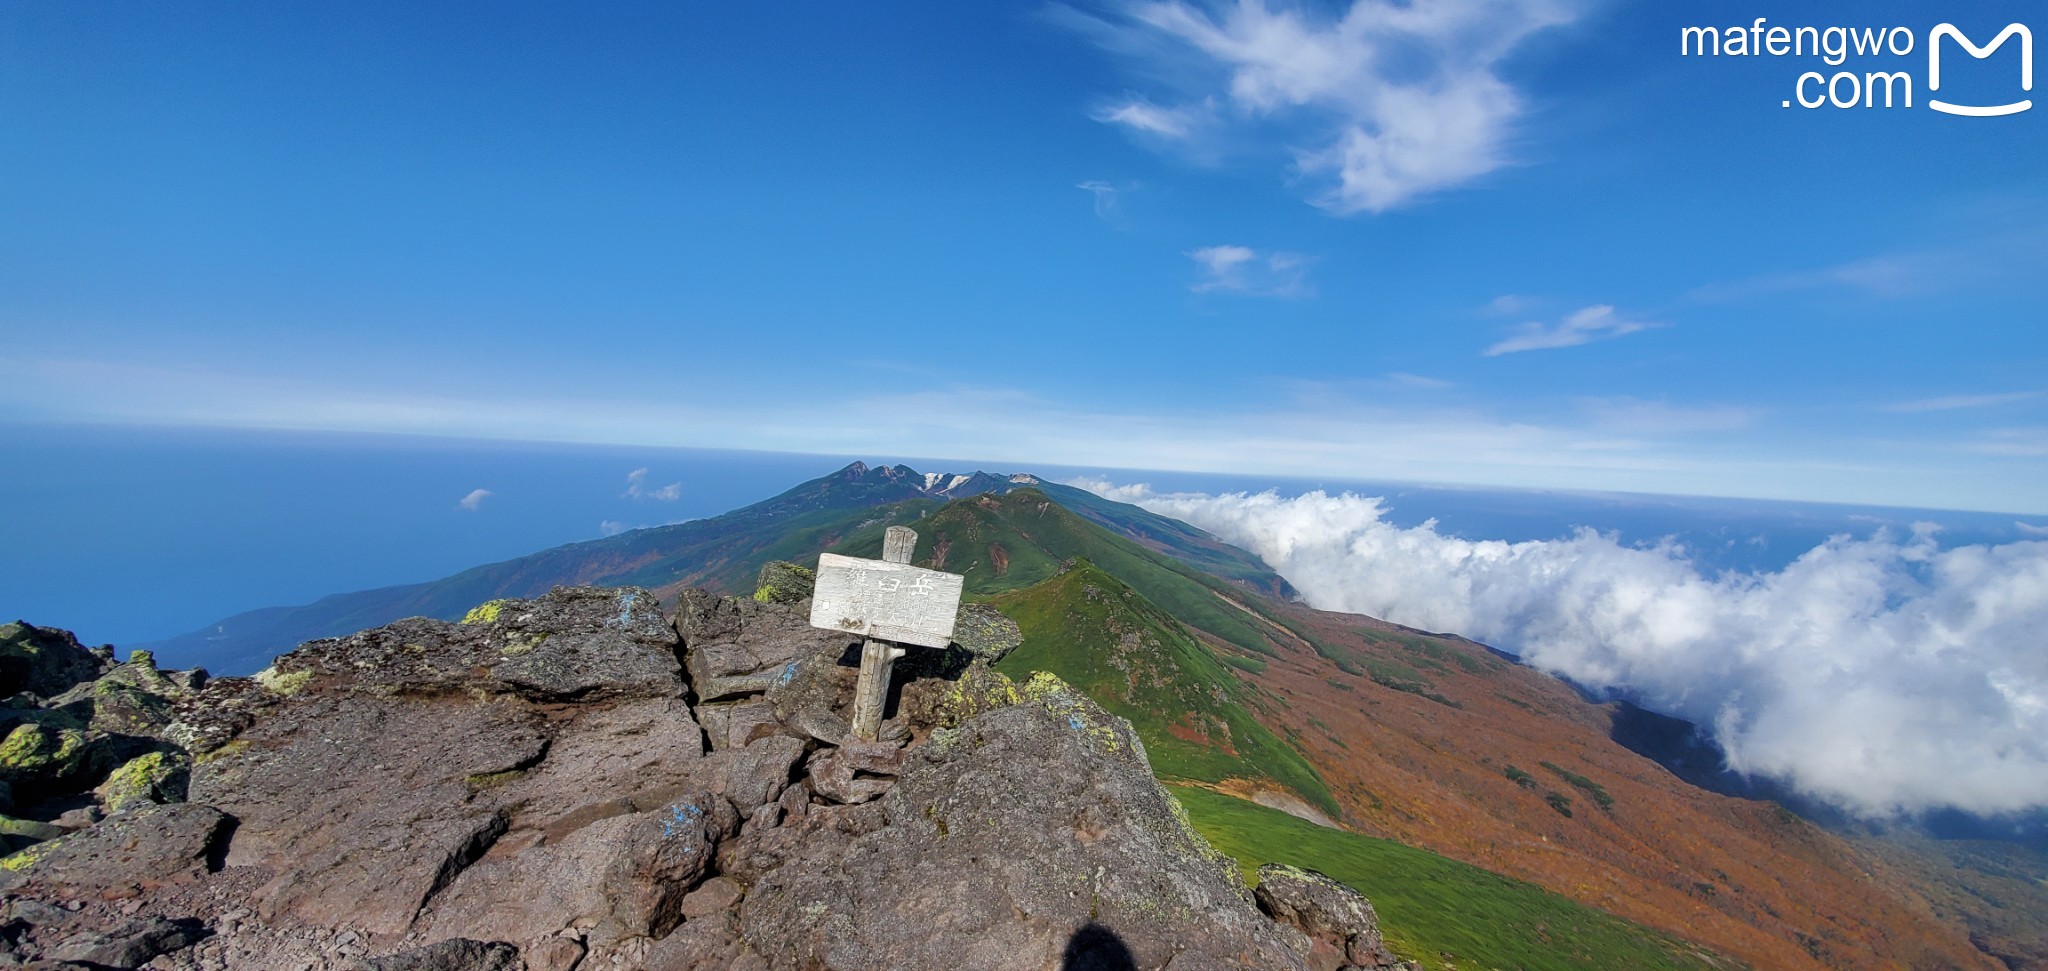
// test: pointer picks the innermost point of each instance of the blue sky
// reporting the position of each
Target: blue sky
(1508, 242)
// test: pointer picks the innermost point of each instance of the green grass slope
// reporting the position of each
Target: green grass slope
(1436, 910)
(1172, 537)
(1107, 639)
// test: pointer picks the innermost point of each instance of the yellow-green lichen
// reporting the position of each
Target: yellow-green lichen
(141, 779)
(28, 857)
(485, 613)
(1047, 690)
(287, 684)
(227, 751)
(492, 780)
(32, 747)
(522, 644)
(783, 582)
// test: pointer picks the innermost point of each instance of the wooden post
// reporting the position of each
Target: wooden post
(878, 657)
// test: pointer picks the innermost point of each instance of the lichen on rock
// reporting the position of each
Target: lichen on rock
(783, 582)
(156, 777)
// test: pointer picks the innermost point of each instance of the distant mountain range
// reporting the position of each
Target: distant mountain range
(721, 553)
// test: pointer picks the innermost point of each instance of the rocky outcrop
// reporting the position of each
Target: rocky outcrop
(1002, 840)
(46, 662)
(578, 782)
(81, 734)
(784, 583)
(1342, 929)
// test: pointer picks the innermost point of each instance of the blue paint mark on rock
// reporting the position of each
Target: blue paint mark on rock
(679, 816)
(626, 606)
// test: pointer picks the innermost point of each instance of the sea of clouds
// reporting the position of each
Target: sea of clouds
(1882, 673)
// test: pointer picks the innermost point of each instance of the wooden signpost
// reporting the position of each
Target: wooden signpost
(889, 602)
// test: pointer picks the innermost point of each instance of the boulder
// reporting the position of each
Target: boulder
(44, 661)
(129, 944)
(132, 851)
(1340, 924)
(45, 751)
(855, 772)
(757, 774)
(159, 777)
(784, 583)
(985, 633)
(734, 647)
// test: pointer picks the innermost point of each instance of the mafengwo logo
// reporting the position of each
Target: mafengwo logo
(1896, 88)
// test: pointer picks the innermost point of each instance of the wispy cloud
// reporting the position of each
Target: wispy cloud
(1507, 305)
(636, 488)
(2013, 247)
(1141, 115)
(1394, 100)
(1406, 380)
(2011, 442)
(1892, 275)
(474, 500)
(612, 527)
(1108, 200)
(1596, 323)
(1248, 272)
(1961, 401)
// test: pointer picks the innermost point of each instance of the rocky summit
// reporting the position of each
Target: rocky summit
(584, 781)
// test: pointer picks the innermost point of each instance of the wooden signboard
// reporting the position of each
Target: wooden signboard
(885, 601)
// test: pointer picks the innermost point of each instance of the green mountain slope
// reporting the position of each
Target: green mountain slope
(1011, 541)
(1435, 910)
(1105, 638)
(1172, 537)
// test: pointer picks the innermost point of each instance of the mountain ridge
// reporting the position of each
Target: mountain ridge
(721, 552)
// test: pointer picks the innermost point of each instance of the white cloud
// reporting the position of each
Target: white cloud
(1882, 674)
(2029, 529)
(1170, 123)
(1108, 201)
(1247, 272)
(1595, 323)
(636, 488)
(1406, 380)
(1396, 100)
(1111, 491)
(1960, 401)
(612, 527)
(475, 499)
(1507, 305)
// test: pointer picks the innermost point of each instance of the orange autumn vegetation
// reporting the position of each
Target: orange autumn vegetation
(1417, 742)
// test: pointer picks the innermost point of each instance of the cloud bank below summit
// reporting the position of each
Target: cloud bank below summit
(1883, 674)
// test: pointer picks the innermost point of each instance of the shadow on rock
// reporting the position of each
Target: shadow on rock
(1097, 948)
